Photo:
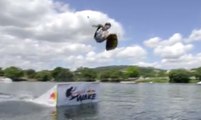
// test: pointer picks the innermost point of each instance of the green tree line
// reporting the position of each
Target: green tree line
(64, 74)
(106, 74)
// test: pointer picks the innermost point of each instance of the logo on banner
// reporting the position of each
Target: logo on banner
(53, 96)
(80, 95)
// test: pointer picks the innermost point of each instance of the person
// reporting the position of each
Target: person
(102, 33)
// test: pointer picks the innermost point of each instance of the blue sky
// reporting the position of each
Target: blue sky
(158, 33)
(147, 18)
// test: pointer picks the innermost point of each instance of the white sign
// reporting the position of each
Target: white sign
(74, 94)
(70, 94)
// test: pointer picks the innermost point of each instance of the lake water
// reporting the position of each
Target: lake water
(117, 102)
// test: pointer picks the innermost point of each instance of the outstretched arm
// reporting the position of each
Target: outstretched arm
(98, 26)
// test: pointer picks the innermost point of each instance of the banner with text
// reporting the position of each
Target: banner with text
(79, 93)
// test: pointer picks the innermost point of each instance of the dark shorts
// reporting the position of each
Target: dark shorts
(98, 39)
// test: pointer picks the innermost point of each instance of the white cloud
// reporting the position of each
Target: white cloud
(174, 47)
(195, 36)
(50, 21)
(176, 38)
(38, 54)
(172, 51)
(156, 41)
(23, 12)
(153, 42)
(127, 55)
(186, 61)
(175, 52)
(44, 34)
(134, 51)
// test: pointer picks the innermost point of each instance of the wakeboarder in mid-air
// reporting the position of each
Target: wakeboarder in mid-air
(102, 34)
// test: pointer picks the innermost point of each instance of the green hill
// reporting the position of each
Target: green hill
(144, 71)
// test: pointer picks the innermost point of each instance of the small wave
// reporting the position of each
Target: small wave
(5, 96)
(9, 97)
(26, 97)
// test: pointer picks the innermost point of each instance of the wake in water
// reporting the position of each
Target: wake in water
(11, 97)
(5, 96)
